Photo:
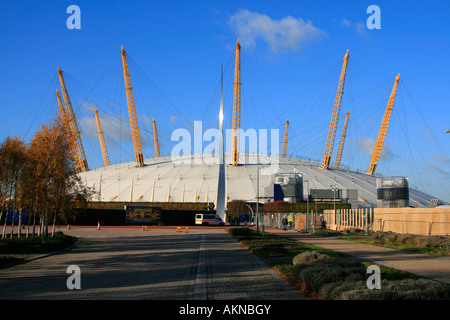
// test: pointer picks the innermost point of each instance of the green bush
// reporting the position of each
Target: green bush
(308, 256)
(420, 241)
(325, 277)
(409, 289)
(313, 270)
(377, 235)
(335, 290)
(355, 231)
(406, 238)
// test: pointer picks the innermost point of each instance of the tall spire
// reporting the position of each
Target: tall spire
(221, 200)
(236, 123)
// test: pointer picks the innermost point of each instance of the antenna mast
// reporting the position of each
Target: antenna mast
(66, 127)
(284, 151)
(82, 164)
(155, 137)
(335, 116)
(337, 162)
(101, 138)
(132, 113)
(383, 129)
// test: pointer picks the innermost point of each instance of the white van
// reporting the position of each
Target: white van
(208, 219)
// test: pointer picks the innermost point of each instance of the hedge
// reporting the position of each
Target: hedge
(331, 278)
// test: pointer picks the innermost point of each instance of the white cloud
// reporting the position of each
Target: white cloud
(359, 27)
(115, 129)
(173, 119)
(367, 145)
(286, 34)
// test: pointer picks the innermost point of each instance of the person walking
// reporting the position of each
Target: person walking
(284, 222)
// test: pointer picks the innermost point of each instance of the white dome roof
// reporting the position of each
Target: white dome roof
(163, 180)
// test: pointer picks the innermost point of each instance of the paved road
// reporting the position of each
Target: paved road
(157, 264)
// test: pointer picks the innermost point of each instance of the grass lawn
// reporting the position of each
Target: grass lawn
(273, 246)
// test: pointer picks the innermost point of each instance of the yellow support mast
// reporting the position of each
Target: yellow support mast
(132, 113)
(337, 162)
(335, 116)
(285, 140)
(101, 138)
(82, 164)
(66, 128)
(236, 123)
(155, 138)
(383, 129)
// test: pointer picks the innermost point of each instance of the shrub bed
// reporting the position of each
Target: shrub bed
(419, 241)
(324, 277)
(28, 245)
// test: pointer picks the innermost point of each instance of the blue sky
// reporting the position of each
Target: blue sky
(291, 59)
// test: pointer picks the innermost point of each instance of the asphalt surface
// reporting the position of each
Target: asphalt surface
(156, 264)
(161, 263)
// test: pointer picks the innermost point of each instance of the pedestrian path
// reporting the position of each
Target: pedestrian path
(437, 268)
(234, 273)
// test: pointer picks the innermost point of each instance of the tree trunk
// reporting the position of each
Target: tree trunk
(19, 231)
(12, 224)
(54, 222)
(4, 225)
(1, 216)
(34, 225)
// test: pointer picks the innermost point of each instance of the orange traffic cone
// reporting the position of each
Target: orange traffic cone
(187, 230)
(178, 229)
(98, 226)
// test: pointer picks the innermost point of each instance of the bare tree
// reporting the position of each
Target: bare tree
(12, 163)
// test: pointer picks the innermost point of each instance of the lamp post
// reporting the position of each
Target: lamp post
(313, 217)
(257, 202)
(253, 215)
(307, 204)
(334, 188)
